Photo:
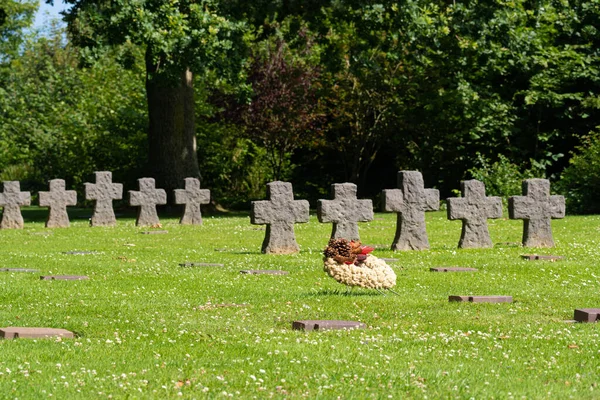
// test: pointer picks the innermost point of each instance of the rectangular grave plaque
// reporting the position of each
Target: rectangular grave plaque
(201, 264)
(18, 270)
(34, 333)
(534, 257)
(79, 252)
(320, 325)
(264, 272)
(154, 232)
(587, 315)
(63, 277)
(452, 269)
(482, 299)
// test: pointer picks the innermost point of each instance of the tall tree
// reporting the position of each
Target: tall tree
(62, 121)
(180, 38)
(15, 16)
(284, 112)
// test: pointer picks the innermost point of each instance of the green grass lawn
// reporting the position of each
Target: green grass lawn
(148, 328)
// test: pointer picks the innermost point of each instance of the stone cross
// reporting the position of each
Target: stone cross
(12, 199)
(279, 213)
(536, 208)
(146, 199)
(192, 196)
(57, 200)
(474, 209)
(104, 192)
(345, 211)
(410, 201)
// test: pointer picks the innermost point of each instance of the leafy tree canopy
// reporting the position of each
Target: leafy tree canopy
(178, 35)
(15, 16)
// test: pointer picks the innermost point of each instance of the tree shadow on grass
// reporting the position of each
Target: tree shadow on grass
(40, 214)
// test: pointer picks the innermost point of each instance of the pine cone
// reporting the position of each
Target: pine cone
(338, 247)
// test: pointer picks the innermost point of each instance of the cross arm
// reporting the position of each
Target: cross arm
(393, 199)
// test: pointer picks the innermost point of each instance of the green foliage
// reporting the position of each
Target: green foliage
(177, 35)
(284, 112)
(234, 168)
(580, 181)
(502, 177)
(448, 80)
(66, 122)
(414, 84)
(15, 16)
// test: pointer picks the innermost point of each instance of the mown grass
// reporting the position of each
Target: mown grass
(148, 328)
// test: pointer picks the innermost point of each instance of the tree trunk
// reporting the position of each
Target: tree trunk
(172, 133)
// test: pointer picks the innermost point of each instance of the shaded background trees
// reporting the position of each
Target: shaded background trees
(315, 93)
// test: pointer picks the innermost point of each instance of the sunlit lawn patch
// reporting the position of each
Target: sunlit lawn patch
(149, 328)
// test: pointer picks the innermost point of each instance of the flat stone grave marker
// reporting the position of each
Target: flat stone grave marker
(279, 213)
(192, 196)
(587, 315)
(536, 207)
(534, 257)
(201, 264)
(146, 199)
(389, 260)
(474, 209)
(57, 200)
(264, 272)
(104, 191)
(154, 232)
(18, 270)
(344, 211)
(79, 252)
(452, 269)
(320, 325)
(410, 202)
(482, 299)
(12, 332)
(12, 199)
(64, 277)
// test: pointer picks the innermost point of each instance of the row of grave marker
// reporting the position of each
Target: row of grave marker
(280, 212)
(410, 201)
(103, 192)
(580, 315)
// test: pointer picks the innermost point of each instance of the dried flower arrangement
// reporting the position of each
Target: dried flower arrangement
(351, 263)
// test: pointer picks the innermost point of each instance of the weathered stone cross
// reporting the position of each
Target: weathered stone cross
(57, 200)
(104, 192)
(12, 199)
(192, 196)
(345, 211)
(410, 202)
(147, 198)
(474, 209)
(536, 208)
(279, 213)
